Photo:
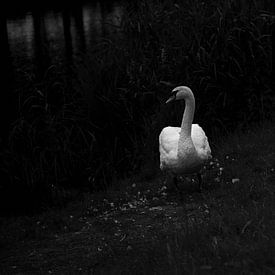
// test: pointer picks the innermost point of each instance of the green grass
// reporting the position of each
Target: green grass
(142, 227)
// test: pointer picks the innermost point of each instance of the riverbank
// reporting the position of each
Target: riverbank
(142, 226)
(93, 115)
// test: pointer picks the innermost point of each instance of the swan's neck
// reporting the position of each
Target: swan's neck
(188, 115)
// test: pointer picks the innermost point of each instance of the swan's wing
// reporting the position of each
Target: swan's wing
(200, 141)
(169, 138)
(168, 145)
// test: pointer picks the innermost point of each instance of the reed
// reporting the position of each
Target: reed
(221, 49)
(50, 146)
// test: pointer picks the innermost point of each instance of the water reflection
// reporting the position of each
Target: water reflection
(37, 40)
(7, 98)
(20, 39)
(40, 38)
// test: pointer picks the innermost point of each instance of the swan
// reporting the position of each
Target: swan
(184, 150)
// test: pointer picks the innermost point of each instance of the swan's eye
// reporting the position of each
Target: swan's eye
(174, 93)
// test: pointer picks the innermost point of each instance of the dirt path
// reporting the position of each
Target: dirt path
(144, 228)
(132, 237)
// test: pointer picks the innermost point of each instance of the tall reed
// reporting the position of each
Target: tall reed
(50, 145)
(105, 124)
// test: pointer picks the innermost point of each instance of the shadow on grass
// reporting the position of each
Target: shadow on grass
(141, 227)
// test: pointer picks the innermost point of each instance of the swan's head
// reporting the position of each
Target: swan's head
(179, 93)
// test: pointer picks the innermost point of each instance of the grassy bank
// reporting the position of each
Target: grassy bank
(101, 122)
(141, 226)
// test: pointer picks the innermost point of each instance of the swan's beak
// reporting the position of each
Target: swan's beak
(171, 98)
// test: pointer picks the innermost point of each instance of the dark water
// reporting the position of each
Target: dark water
(51, 34)
(36, 38)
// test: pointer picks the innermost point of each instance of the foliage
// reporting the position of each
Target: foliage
(143, 226)
(105, 125)
(221, 49)
(50, 146)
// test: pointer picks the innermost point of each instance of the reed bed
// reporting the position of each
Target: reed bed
(103, 125)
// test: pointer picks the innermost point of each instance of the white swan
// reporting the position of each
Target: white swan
(184, 150)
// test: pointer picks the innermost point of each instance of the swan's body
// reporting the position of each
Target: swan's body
(183, 150)
(185, 158)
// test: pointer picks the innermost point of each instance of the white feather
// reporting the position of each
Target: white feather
(188, 154)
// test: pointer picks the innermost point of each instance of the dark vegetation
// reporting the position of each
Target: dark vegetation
(141, 226)
(62, 141)
(63, 145)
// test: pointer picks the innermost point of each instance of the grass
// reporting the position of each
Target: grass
(222, 50)
(141, 226)
(101, 123)
(49, 146)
